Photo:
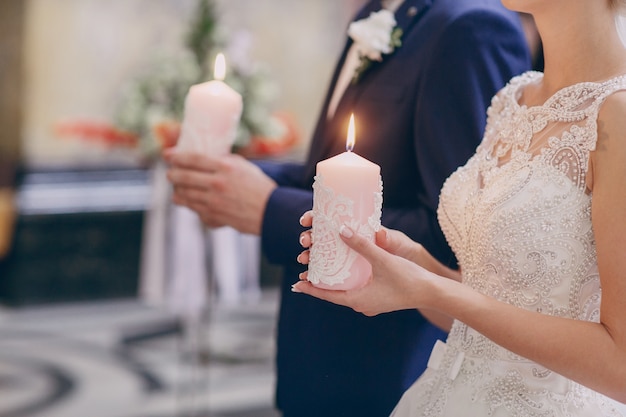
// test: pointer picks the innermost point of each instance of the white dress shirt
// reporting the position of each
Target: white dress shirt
(351, 64)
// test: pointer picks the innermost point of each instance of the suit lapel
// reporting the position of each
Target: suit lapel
(406, 16)
(320, 144)
(370, 7)
(409, 12)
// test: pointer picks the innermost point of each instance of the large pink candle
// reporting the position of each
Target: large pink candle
(212, 113)
(347, 190)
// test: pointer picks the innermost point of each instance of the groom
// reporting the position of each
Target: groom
(421, 113)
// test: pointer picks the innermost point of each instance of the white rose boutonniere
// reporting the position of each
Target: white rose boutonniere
(374, 36)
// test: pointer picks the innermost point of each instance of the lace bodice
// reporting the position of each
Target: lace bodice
(518, 217)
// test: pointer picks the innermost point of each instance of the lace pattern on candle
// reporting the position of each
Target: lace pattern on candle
(197, 134)
(331, 259)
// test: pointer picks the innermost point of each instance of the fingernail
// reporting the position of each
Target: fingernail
(295, 289)
(301, 220)
(298, 259)
(301, 240)
(345, 231)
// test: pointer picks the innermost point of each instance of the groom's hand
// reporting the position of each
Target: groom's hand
(224, 191)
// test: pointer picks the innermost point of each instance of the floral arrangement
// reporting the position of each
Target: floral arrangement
(151, 107)
(374, 36)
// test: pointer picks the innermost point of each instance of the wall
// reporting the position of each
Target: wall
(78, 54)
(11, 38)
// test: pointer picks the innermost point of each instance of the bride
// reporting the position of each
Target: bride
(537, 219)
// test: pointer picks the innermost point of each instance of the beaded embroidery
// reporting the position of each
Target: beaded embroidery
(518, 217)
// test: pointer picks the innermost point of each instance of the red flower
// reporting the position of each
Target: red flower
(260, 147)
(98, 132)
(167, 133)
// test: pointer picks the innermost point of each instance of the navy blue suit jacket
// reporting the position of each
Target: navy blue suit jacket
(421, 113)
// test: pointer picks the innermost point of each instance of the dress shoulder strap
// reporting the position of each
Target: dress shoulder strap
(607, 89)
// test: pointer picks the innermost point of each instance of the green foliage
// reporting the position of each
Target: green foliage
(201, 36)
(396, 38)
(159, 94)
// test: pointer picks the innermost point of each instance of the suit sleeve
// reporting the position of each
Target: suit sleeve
(281, 227)
(475, 56)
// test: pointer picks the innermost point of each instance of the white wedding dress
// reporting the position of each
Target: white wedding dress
(518, 216)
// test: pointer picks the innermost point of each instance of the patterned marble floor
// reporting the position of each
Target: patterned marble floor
(124, 359)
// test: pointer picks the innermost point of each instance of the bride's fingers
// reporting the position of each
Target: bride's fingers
(306, 239)
(391, 241)
(383, 239)
(304, 276)
(304, 257)
(363, 246)
(307, 219)
(333, 296)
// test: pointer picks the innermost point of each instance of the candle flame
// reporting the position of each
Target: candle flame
(351, 135)
(220, 67)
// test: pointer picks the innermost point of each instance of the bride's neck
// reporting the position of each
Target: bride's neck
(572, 55)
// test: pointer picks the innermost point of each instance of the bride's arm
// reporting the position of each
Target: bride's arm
(397, 243)
(565, 346)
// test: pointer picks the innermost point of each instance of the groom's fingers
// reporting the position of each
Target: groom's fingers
(192, 160)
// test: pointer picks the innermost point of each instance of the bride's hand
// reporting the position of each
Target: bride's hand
(396, 283)
(393, 241)
(305, 237)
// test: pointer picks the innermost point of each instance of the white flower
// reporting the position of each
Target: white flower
(374, 36)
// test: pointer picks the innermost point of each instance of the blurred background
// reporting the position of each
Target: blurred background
(93, 321)
(104, 309)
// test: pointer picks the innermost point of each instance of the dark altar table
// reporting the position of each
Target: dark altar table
(77, 237)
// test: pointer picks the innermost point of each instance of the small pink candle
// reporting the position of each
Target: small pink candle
(347, 190)
(212, 113)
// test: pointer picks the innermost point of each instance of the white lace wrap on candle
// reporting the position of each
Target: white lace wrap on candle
(205, 133)
(330, 258)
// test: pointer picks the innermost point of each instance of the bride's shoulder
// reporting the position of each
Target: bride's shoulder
(522, 80)
(510, 93)
(612, 110)
(611, 102)
(519, 82)
(608, 162)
